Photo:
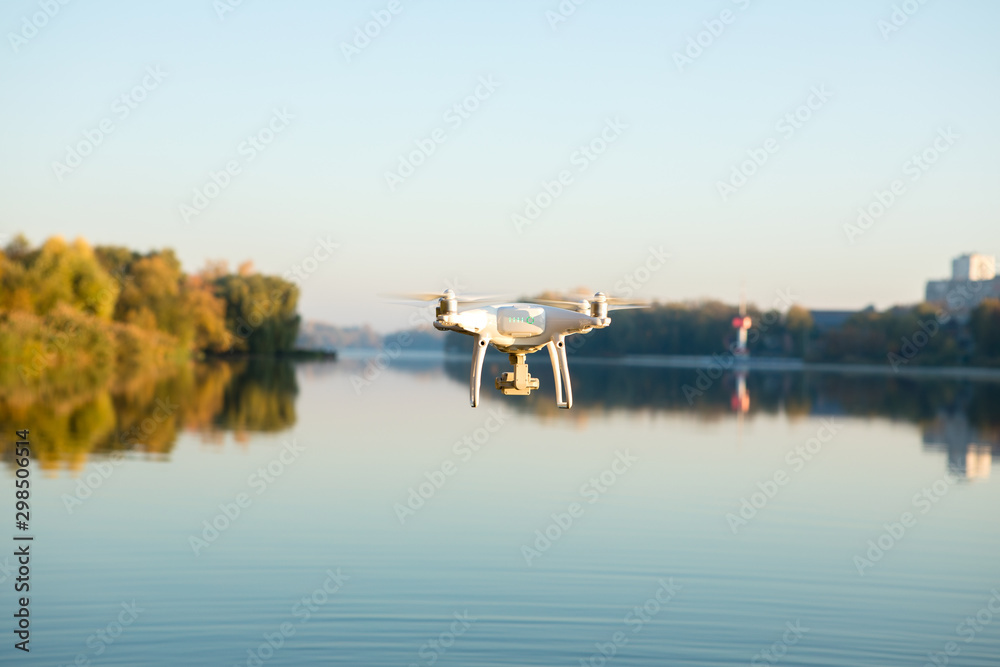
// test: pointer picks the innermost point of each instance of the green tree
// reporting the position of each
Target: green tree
(58, 272)
(157, 295)
(261, 315)
(984, 325)
(799, 324)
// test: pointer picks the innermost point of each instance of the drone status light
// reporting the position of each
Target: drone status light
(521, 321)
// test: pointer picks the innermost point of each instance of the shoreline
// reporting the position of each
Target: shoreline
(759, 364)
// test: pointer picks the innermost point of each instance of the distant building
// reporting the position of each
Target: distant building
(973, 278)
(973, 267)
(824, 320)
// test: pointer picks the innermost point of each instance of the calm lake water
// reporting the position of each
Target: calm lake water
(776, 518)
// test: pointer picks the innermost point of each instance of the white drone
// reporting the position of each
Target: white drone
(519, 329)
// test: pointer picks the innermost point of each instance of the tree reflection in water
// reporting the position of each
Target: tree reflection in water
(144, 413)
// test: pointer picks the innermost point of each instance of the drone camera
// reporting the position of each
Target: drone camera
(519, 382)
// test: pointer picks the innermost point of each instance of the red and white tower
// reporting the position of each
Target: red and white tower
(740, 400)
(742, 324)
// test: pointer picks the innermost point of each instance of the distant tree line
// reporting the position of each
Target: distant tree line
(698, 329)
(68, 307)
(922, 334)
(925, 334)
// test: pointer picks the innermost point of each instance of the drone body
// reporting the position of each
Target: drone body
(520, 329)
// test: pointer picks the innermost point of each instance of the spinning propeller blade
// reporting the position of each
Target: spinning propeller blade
(415, 296)
(628, 306)
(558, 303)
(571, 301)
(434, 296)
(619, 303)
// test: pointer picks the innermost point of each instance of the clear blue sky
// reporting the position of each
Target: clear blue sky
(656, 184)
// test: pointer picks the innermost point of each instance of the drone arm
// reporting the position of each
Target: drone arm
(560, 371)
(478, 355)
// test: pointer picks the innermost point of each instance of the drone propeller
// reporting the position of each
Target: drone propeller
(614, 302)
(435, 296)
(620, 303)
(560, 303)
(628, 306)
(416, 296)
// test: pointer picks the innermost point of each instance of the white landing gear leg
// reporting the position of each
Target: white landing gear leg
(560, 371)
(478, 354)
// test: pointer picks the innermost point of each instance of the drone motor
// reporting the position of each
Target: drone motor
(448, 304)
